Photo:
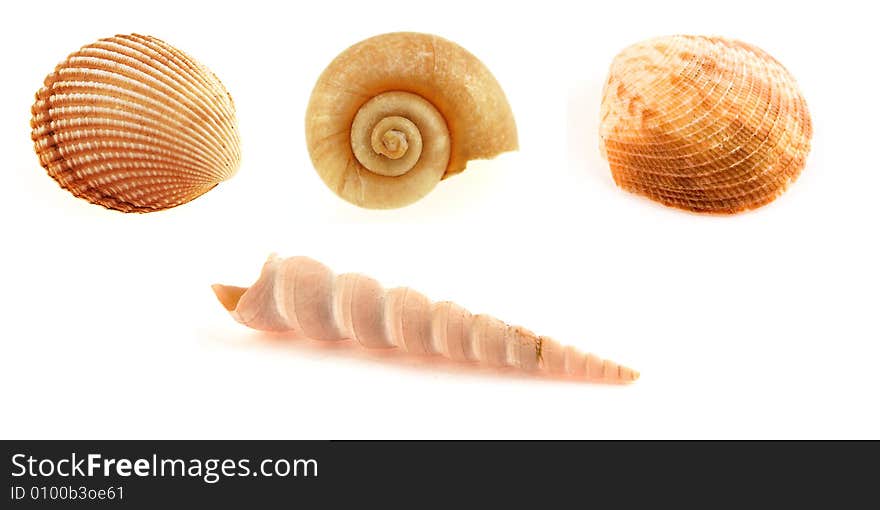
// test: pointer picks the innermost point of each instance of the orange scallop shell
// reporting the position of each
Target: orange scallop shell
(133, 124)
(704, 124)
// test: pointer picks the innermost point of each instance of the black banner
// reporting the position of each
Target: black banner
(275, 474)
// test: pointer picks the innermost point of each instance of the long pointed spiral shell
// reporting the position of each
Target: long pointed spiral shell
(394, 114)
(133, 124)
(703, 123)
(302, 295)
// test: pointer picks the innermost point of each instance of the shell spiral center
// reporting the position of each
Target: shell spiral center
(391, 132)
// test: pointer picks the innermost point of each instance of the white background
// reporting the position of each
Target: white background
(761, 325)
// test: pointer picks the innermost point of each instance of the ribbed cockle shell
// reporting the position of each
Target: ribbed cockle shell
(133, 124)
(703, 123)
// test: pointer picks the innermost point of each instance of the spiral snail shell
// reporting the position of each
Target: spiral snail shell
(302, 295)
(134, 124)
(704, 124)
(393, 115)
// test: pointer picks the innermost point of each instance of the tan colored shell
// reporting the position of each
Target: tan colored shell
(394, 114)
(303, 296)
(703, 123)
(133, 124)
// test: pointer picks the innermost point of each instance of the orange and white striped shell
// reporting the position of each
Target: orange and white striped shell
(133, 124)
(704, 124)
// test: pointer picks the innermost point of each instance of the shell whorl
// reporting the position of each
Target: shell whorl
(134, 124)
(393, 115)
(386, 136)
(303, 296)
(704, 124)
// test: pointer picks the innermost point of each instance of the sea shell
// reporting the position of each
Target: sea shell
(133, 124)
(703, 123)
(303, 296)
(393, 115)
